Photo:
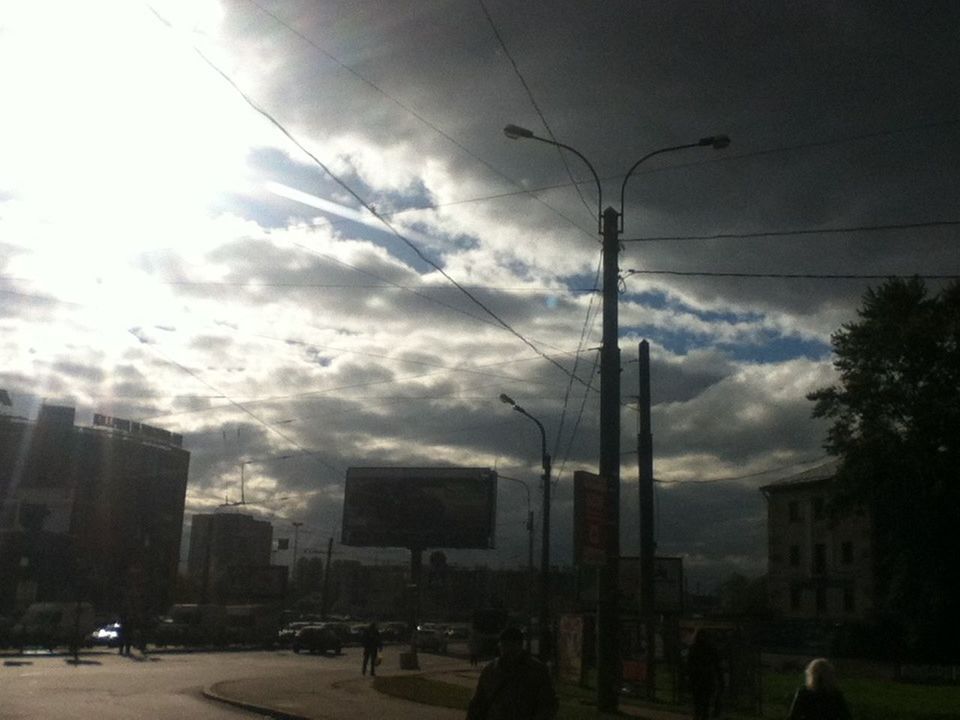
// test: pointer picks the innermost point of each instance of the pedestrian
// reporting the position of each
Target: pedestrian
(123, 627)
(703, 669)
(372, 644)
(819, 698)
(515, 686)
(474, 645)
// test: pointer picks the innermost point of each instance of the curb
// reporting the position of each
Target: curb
(211, 694)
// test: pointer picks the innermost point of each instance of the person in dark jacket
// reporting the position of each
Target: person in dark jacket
(372, 644)
(819, 698)
(515, 686)
(706, 678)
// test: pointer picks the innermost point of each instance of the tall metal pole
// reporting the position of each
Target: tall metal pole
(546, 649)
(529, 571)
(296, 542)
(608, 610)
(608, 621)
(545, 634)
(325, 599)
(647, 543)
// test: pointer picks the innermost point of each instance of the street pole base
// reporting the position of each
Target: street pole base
(408, 661)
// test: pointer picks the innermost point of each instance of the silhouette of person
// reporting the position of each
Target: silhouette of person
(703, 669)
(819, 698)
(515, 686)
(372, 644)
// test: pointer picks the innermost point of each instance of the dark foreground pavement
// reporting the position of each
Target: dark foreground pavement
(309, 696)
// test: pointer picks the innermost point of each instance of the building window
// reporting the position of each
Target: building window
(794, 511)
(849, 601)
(846, 553)
(794, 556)
(818, 508)
(821, 601)
(795, 595)
(819, 559)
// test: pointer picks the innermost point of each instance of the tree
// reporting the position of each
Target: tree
(896, 428)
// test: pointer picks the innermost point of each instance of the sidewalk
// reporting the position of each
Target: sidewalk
(348, 697)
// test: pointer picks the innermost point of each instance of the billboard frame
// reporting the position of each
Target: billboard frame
(432, 488)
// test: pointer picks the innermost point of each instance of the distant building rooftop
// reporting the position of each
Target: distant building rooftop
(817, 474)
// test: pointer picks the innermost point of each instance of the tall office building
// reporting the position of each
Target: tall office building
(92, 513)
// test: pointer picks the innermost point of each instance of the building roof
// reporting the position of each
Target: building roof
(818, 474)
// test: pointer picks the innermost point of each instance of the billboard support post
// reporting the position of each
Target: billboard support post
(416, 567)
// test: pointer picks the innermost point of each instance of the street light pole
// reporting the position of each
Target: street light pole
(544, 620)
(611, 225)
(296, 541)
(529, 527)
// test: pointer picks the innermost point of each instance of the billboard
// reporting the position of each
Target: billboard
(589, 519)
(413, 507)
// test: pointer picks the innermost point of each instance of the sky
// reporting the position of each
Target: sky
(295, 233)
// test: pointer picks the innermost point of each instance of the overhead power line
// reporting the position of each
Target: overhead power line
(725, 157)
(805, 231)
(788, 276)
(413, 113)
(367, 206)
(536, 106)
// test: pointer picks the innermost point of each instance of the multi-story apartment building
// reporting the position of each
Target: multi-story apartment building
(229, 559)
(92, 513)
(820, 561)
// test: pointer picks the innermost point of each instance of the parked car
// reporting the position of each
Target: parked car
(106, 636)
(432, 639)
(53, 624)
(395, 631)
(357, 631)
(458, 631)
(342, 631)
(317, 638)
(289, 631)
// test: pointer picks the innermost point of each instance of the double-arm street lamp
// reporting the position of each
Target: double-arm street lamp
(544, 619)
(610, 227)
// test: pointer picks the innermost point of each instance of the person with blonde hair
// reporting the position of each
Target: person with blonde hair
(819, 698)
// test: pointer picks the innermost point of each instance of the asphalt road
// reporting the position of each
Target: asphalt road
(167, 686)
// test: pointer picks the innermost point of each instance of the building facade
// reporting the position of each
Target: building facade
(92, 513)
(820, 560)
(229, 559)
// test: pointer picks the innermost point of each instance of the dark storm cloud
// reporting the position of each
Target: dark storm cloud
(771, 76)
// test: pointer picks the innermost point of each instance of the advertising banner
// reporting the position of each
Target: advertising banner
(589, 519)
(420, 507)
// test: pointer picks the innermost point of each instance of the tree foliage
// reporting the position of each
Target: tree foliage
(896, 427)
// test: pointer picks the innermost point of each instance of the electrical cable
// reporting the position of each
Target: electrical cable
(726, 157)
(807, 231)
(236, 404)
(406, 108)
(788, 276)
(366, 205)
(536, 106)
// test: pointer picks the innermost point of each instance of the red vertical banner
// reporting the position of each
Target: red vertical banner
(590, 519)
(570, 649)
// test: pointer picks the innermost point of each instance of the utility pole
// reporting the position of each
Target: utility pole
(296, 542)
(610, 224)
(529, 571)
(325, 599)
(609, 666)
(648, 546)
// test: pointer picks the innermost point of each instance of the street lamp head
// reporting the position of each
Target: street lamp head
(717, 142)
(515, 132)
(504, 398)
